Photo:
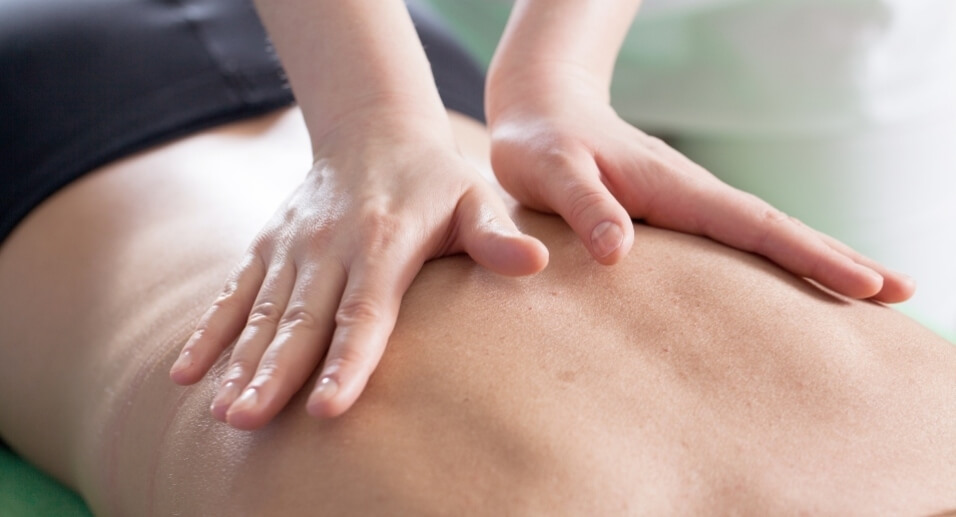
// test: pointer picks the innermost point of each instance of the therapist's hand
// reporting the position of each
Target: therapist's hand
(557, 146)
(325, 278)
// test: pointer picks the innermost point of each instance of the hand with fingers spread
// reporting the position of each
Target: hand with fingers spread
(326, 276)
(558, 146)
(322, 283)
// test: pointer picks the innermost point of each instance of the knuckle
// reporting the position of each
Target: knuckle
(322, 238)
(228, 291)
(581, 200)
(657, 144)
(315, 235)
(380, 232)
(380, 220)
(798, 223)
(655, 166)
(350, 359)
(253, 258)
(201, 335)
(357, 309)
(264, 313)
(772, 217)
(262, 246)
(299, 318)
(268, 369)
(771, 221)
(559, 155)
(222, 303)
(239, 368)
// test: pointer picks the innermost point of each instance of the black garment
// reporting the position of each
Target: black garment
(85, 82)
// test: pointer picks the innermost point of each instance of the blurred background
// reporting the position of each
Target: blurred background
(841, 113)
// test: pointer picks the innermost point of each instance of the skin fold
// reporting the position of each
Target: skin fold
(688, 378)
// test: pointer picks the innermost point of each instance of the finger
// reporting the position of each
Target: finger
(897, 287)
(221, 323)
(364, 322)
(260, 328)
(301, 340)
(574, 189)
(488, 234)
(746, 222)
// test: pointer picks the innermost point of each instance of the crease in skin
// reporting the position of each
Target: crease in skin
(138, 362)
(156, 457)
(113, 429)
(150, 370)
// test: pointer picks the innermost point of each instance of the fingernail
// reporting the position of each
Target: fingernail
(324, 392)
(606, 238)
(184, 361)
(227, 394)
(246, 402)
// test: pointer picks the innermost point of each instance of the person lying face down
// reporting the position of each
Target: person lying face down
(687, 378)
(323, 281)
(581, 389)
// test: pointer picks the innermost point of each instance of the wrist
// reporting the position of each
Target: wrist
(383, 129)
(540, 87)
(379, 116)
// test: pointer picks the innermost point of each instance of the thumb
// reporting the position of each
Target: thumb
(487, 233)
(573, 188)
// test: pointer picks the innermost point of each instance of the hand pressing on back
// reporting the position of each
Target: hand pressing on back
(558, 146)
(323, 281)
(571, 154)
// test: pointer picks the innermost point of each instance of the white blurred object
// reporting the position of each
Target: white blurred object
(678, 7)
(788, 66)
(840, 112)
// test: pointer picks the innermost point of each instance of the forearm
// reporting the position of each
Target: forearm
(545, 41)
(348, 58)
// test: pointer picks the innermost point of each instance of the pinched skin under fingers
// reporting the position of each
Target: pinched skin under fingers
(597, 171)
(333, 265)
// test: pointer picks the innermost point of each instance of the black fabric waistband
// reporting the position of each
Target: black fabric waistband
(85, 82)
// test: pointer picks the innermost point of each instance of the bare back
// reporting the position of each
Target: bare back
(687, 378)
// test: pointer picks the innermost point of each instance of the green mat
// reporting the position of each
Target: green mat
(27, 492)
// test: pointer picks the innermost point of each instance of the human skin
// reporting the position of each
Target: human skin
(323, 280)
(689, 378)
(558, 146)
